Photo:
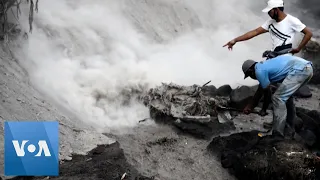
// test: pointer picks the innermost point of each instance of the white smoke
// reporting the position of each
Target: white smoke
(84, 50)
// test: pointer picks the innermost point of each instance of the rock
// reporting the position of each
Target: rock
(68, 158)
(302, 110)
(209, 90)
(204, 130)
(312, 53)
(312, 46)
(316, 75)
(298, 123)
(103, 162)
(252, 157)
(308, 121)
(315, 115)
(303, 92)
(240, 97)
(224, 90)
(308, 137)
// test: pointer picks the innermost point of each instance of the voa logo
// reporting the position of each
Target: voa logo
(42, 147)
(31, 148)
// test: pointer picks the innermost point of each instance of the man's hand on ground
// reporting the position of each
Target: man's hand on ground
(247, 110)
(230, 44)
(263, 112)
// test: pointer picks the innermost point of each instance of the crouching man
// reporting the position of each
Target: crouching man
(291, 72)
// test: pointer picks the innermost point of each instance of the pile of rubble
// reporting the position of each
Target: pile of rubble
(183, 101)
(194, 109)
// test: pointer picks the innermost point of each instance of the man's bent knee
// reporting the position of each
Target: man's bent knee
(277, 100)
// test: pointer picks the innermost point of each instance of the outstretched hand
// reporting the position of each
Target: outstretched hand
(230, 44)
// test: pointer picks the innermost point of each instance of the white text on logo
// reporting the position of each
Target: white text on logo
(42, 144)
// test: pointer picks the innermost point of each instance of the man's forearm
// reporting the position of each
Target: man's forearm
(256, 98)
(250, 34)
(246, 36)
(266, 99)
(305, 40)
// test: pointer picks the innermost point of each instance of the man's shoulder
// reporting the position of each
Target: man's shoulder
(269, 64)
(260, 66)
(292, 18)
(295, 23)
(270, 21)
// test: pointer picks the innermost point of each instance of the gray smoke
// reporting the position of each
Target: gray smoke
(307, 11)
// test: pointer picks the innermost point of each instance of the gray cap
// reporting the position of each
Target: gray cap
(246, 66)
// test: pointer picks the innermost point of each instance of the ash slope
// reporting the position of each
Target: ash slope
(20, 102)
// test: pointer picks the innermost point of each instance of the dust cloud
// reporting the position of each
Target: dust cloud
(93, 56)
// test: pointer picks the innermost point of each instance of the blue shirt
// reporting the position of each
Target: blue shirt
(276, 69)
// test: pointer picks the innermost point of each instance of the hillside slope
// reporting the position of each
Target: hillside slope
(20, 101)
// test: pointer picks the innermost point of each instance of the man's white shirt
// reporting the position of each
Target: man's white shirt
(282, 33)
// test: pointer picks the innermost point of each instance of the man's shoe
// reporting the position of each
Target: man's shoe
(277, 135)
(267, 125)
(267, 133)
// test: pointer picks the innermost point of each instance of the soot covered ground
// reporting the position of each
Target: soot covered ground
(103, 162)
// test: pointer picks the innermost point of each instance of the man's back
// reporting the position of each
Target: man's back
(276, 69)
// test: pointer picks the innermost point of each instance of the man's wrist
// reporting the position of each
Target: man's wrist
(299, 48)
(263, 110)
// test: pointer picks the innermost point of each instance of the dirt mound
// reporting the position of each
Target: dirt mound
(103, 162)
(309, 127)
(249, 156)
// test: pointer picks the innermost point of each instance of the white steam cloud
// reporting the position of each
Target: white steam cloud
(81, 51)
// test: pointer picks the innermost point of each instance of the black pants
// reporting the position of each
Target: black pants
(291, 112)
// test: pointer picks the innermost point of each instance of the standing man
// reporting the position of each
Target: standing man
(292, 71)
(281, 28)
